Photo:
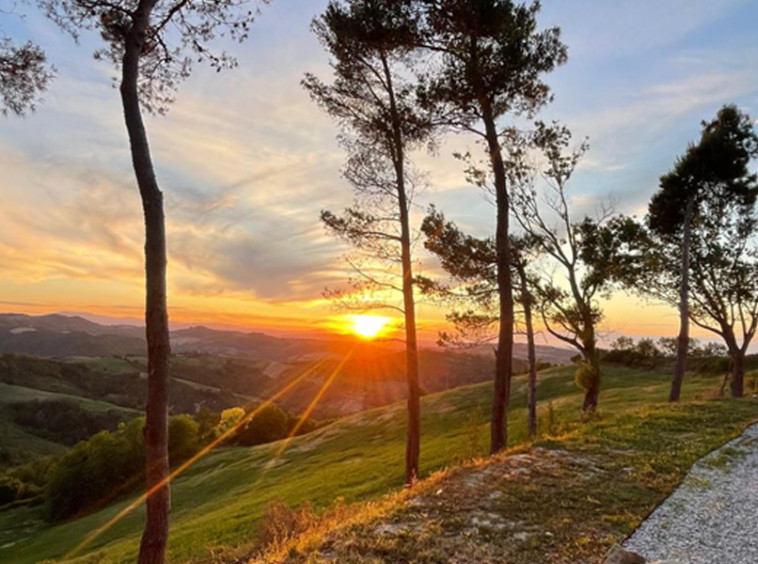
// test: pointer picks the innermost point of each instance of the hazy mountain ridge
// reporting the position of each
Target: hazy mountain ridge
(233, 367)
(59, 335)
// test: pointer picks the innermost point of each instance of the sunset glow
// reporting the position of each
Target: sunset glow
(82, 249)
(368, 326)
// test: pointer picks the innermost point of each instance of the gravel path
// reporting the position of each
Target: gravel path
(712, 518)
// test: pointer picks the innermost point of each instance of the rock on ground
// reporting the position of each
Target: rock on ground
(618, 555)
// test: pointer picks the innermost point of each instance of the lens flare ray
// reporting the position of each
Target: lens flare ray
(188, 463)
(304, 417)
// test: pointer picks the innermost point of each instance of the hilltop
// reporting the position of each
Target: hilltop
(218, 503)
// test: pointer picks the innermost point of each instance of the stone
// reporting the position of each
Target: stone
(619, 555)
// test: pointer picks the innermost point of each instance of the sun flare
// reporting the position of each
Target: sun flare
(368, 326)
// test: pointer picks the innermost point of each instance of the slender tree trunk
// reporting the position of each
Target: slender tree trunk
(413, 441)
(504, 360)
(531, 354)
(738, 372)
(155, 537)
(684, 321)
(413, 444)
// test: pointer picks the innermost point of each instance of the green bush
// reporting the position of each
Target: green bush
(207, 422)
(584, 375)
(269, 424)
(183, 438)
(97, 471)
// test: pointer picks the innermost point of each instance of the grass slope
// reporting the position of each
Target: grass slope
(563, 500)
(217, 502)
(20, 440)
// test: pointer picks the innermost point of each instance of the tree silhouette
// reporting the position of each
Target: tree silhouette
(714, 169)
(569, 314)
(471, 263)
(371, 45)
(24, 74)
(695, 250)
(487, 60)
(154, 43)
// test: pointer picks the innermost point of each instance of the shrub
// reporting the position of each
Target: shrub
(207, 422)
(645, 353)
(269, 424)
(281, 523)
(229, 418)
(96, 471)
(11, 490)
(584, 375)
(183, 438)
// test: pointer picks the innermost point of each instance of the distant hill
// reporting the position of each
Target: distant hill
(221, 369)
(30, 385)
(61, 336)
(64, 336)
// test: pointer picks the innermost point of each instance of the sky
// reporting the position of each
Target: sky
(247, 162)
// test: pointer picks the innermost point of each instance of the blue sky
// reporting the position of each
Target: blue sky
(247, 161)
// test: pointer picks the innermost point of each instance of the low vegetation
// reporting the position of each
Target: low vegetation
(110, 464)
(564, 499)
(63, 421)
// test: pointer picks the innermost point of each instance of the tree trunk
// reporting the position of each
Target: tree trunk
(413, 444)
(738, 372)
(158, 504)
(504, 360)
(413, 441)
(684, 322)
(531, 354)
(592, 393)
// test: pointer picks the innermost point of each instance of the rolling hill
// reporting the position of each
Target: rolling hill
(218, 502)
(65, 336)
(220, 369)
(34, 392)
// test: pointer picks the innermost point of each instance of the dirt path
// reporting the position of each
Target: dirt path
(711, 517)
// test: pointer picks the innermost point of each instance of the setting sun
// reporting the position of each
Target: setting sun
(368, 326)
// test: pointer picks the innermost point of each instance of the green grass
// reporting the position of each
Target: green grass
(565, 499)
(217, 502)
(13, 394)
(106, 364)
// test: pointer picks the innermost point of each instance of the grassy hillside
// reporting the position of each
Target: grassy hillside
(22, 445)
(218, 501)
(122, 381)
